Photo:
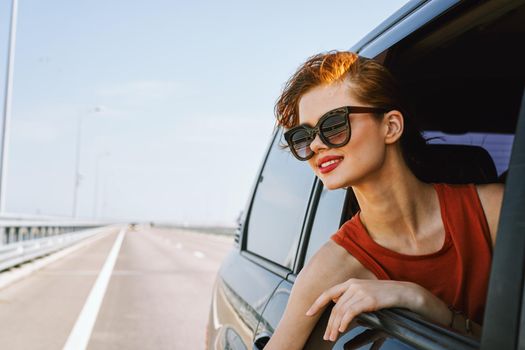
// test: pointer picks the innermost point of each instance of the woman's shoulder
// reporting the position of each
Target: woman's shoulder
(491, 192)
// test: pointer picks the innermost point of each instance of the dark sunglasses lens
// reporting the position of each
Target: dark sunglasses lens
(300, 141)
(336, 129)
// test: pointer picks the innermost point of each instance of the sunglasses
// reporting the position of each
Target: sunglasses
(333, 129)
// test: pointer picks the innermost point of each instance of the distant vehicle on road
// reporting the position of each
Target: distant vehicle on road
(463, 64)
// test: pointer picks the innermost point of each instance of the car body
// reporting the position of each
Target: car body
(462, 64)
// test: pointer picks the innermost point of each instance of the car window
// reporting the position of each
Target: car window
(278, 209)
(499, 146)
(327, 219)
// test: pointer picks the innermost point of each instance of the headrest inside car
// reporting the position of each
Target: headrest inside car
(457, 164)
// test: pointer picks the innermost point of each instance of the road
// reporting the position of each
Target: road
(157, 297)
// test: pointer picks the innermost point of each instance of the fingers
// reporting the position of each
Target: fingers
(331, 294)
(341, 313)
(360, 306)
(352, 298)
(344, 314)
(356, 296)
(336, 311)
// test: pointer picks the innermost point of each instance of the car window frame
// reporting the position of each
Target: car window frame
(408, 19)
(270, 265)
(503, 312)
(310, 219)
(305, 235)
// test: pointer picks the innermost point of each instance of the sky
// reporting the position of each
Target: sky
(173, 99)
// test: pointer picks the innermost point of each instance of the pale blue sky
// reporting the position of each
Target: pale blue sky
(176, 99)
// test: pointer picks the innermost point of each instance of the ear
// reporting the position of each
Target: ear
(394, 124)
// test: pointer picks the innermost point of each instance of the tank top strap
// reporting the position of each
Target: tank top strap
(463, 213)
(349, 236)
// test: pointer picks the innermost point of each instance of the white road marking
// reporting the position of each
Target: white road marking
(198, 254)
(79, 337)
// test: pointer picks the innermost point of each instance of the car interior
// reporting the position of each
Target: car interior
(463, 74)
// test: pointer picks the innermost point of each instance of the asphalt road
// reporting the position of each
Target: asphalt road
(157, 297)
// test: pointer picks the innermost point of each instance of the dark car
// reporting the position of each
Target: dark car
(463, 65)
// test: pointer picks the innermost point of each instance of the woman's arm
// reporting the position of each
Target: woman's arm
(356, 296)
(330, 266)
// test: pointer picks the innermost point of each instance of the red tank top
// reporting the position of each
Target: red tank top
(458, 273)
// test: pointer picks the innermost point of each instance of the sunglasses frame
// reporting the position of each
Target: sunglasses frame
(316, 130)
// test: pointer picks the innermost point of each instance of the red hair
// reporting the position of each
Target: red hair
(372, 83)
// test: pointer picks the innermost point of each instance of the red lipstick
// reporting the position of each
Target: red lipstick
(335, 161)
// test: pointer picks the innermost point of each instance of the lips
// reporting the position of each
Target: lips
(328, 163)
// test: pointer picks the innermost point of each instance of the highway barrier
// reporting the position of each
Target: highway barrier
(25, 239)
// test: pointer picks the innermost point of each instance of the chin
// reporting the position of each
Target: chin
(333, 184)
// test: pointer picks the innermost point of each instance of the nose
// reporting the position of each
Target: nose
(317, 144)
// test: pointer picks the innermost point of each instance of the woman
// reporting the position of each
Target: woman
(412, 245)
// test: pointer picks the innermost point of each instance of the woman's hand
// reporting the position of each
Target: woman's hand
(357, 295)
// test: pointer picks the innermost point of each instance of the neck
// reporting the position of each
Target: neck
(394, 202)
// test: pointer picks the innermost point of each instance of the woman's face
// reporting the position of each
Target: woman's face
(362, 156)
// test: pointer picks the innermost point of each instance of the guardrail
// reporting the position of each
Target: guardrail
(12, 231)
(20, 252)
(24, 238)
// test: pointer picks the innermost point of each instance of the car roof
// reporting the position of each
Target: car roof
(394, 18)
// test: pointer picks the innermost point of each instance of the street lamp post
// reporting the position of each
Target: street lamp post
(78, 176)
(7, 105)
(77, 162)
(95, 194)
